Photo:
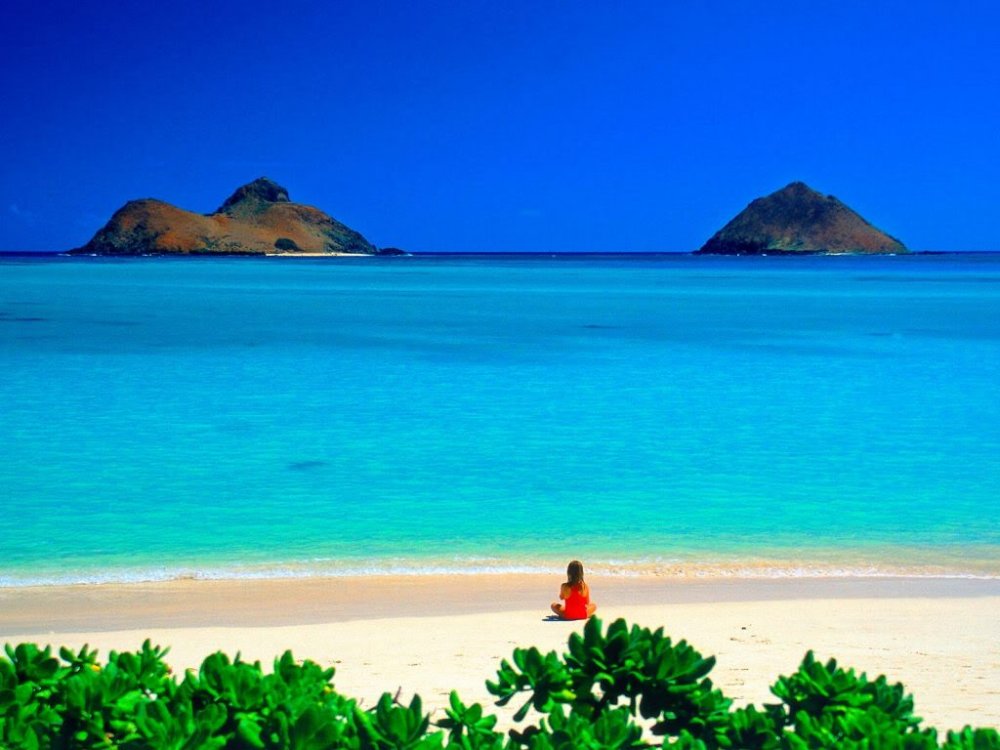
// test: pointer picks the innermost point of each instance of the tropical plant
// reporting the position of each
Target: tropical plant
(621, 689)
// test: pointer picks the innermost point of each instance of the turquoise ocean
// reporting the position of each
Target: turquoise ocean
(678, 415)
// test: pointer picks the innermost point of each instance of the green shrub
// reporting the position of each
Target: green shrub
(624, 689)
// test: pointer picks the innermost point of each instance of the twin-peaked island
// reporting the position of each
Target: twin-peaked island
(259, 219)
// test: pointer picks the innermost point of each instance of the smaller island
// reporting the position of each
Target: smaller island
(798, 220)
(257, 219)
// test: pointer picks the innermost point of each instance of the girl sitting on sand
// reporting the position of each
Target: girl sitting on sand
(576, 593)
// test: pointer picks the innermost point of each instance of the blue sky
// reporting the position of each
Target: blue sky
(513, 126)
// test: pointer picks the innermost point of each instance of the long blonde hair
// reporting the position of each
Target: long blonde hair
(574, 573)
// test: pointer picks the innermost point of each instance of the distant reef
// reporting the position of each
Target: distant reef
(797, 220)
(257, 219)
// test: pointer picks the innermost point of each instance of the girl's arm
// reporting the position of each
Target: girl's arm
(564, 591)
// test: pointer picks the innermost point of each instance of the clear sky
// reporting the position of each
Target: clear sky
(517, 126)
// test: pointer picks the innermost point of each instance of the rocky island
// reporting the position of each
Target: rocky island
(798, 220)
(257, 219)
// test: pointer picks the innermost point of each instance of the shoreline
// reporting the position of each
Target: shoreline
(279, 602)
(820, 563)
(429, 635)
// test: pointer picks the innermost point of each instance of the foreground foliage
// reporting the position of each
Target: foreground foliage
(627, 687)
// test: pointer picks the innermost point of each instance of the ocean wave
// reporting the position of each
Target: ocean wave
(663, 569)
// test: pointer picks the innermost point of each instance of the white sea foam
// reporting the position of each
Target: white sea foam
(679, 570)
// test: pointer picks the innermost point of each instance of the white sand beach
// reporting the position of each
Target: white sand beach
(428, 635)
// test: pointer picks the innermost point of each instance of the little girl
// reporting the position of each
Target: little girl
(576, 593)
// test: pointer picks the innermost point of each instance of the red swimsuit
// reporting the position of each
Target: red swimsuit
(576, 604)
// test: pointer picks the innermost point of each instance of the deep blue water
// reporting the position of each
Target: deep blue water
(164, 417)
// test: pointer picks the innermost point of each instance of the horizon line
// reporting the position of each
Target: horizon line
(508, 253)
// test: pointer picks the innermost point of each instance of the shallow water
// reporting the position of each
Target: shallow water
(678, 415)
